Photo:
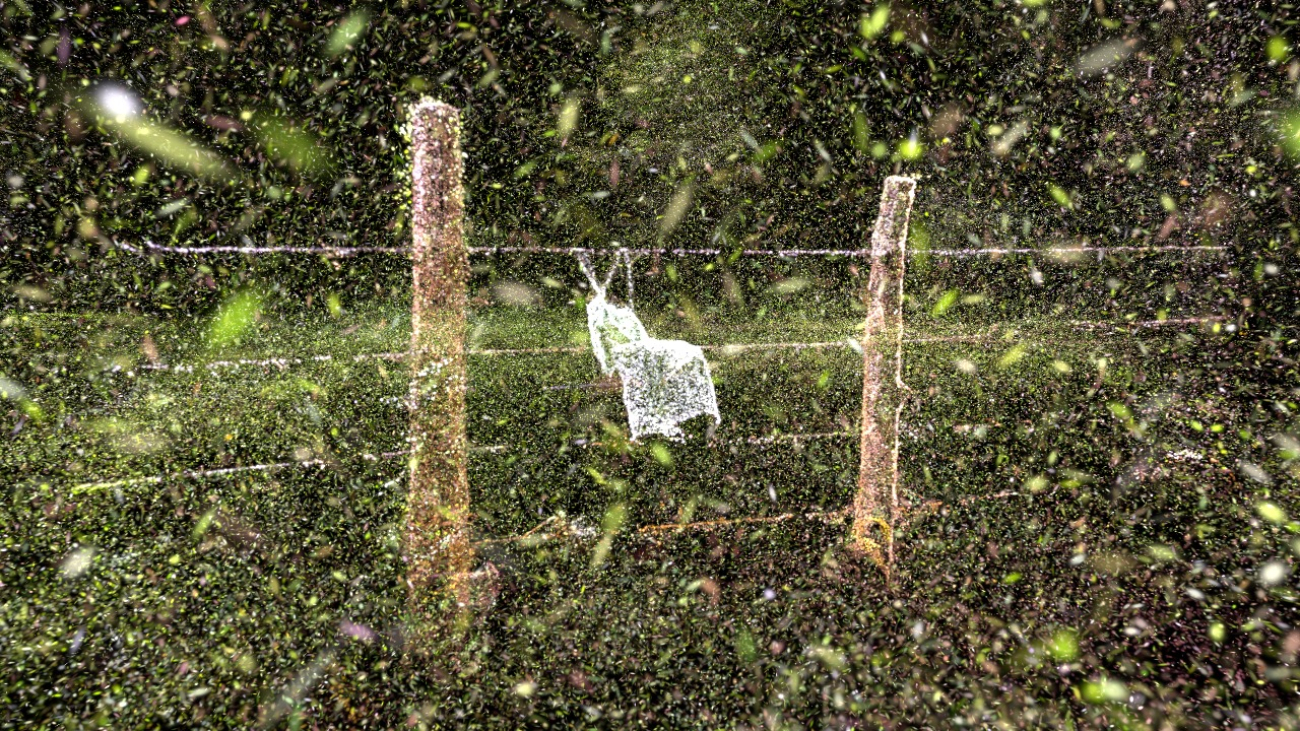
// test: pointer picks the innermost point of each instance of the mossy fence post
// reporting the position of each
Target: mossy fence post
(876, 502)
(437, 546)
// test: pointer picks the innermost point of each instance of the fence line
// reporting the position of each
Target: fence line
(741, 347)
(277, 362)
(570, 250)
(335, 250)
(749, 441)
(828, 516)
(531, 351)
(487, 352)
(1150, 323)
(568, 530)
(724, 349)
(86, 487)
(1065, 250)
(782, 438)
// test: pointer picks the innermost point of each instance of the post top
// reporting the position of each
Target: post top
(429, 104)
(900, 181)
(429, 112)
(895, 207)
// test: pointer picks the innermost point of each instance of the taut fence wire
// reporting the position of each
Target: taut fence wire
(345, 251)
(284, 362)
(195, 474)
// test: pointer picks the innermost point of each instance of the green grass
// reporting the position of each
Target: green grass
(108, 417)
(1045, 502)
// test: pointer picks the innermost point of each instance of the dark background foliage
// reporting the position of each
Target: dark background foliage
(1124, 589)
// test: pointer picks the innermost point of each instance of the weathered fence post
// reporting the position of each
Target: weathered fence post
(437, 542)
(876, 502)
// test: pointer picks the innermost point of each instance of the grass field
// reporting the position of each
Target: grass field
(1077, 527)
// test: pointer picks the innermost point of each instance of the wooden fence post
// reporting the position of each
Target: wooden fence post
(438, 551)
(876, 502)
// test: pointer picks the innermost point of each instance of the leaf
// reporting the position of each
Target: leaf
(568, 117)
(173, 148)
(677, 207)
(871, 25)
(1064, 646)
(346, 33)
(1012, 356)
(1099, 58)
(1271, 512)
(615, 515)
(790, 285)
(1105, 690)
(861, 136)
(204, 523)
(233, 319)
(292, 145)
(661, 454)
(1278, 49)
(746, 648)
(1059, 195)
(945, 303)
(11, 390)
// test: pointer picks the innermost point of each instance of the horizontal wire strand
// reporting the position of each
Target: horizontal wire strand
(650, 530)
(724, 349)
(784, 253)
(86, 487)
(1066, 250)
(335, 250)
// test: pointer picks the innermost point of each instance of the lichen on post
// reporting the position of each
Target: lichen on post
(437, 544)
(876, 503)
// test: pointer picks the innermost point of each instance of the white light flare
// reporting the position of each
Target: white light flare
(118, 102)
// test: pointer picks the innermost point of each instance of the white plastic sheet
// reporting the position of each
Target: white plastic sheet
(665, 382)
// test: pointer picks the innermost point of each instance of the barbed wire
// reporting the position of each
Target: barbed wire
(85, 487)
(1068, 250)
(1167, 322)
(275, 362)
(572, 529)
(571, 250)
(148, 246)
(725, 349)
(345, 251)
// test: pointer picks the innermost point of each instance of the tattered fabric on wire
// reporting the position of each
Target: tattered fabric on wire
(665, 382)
